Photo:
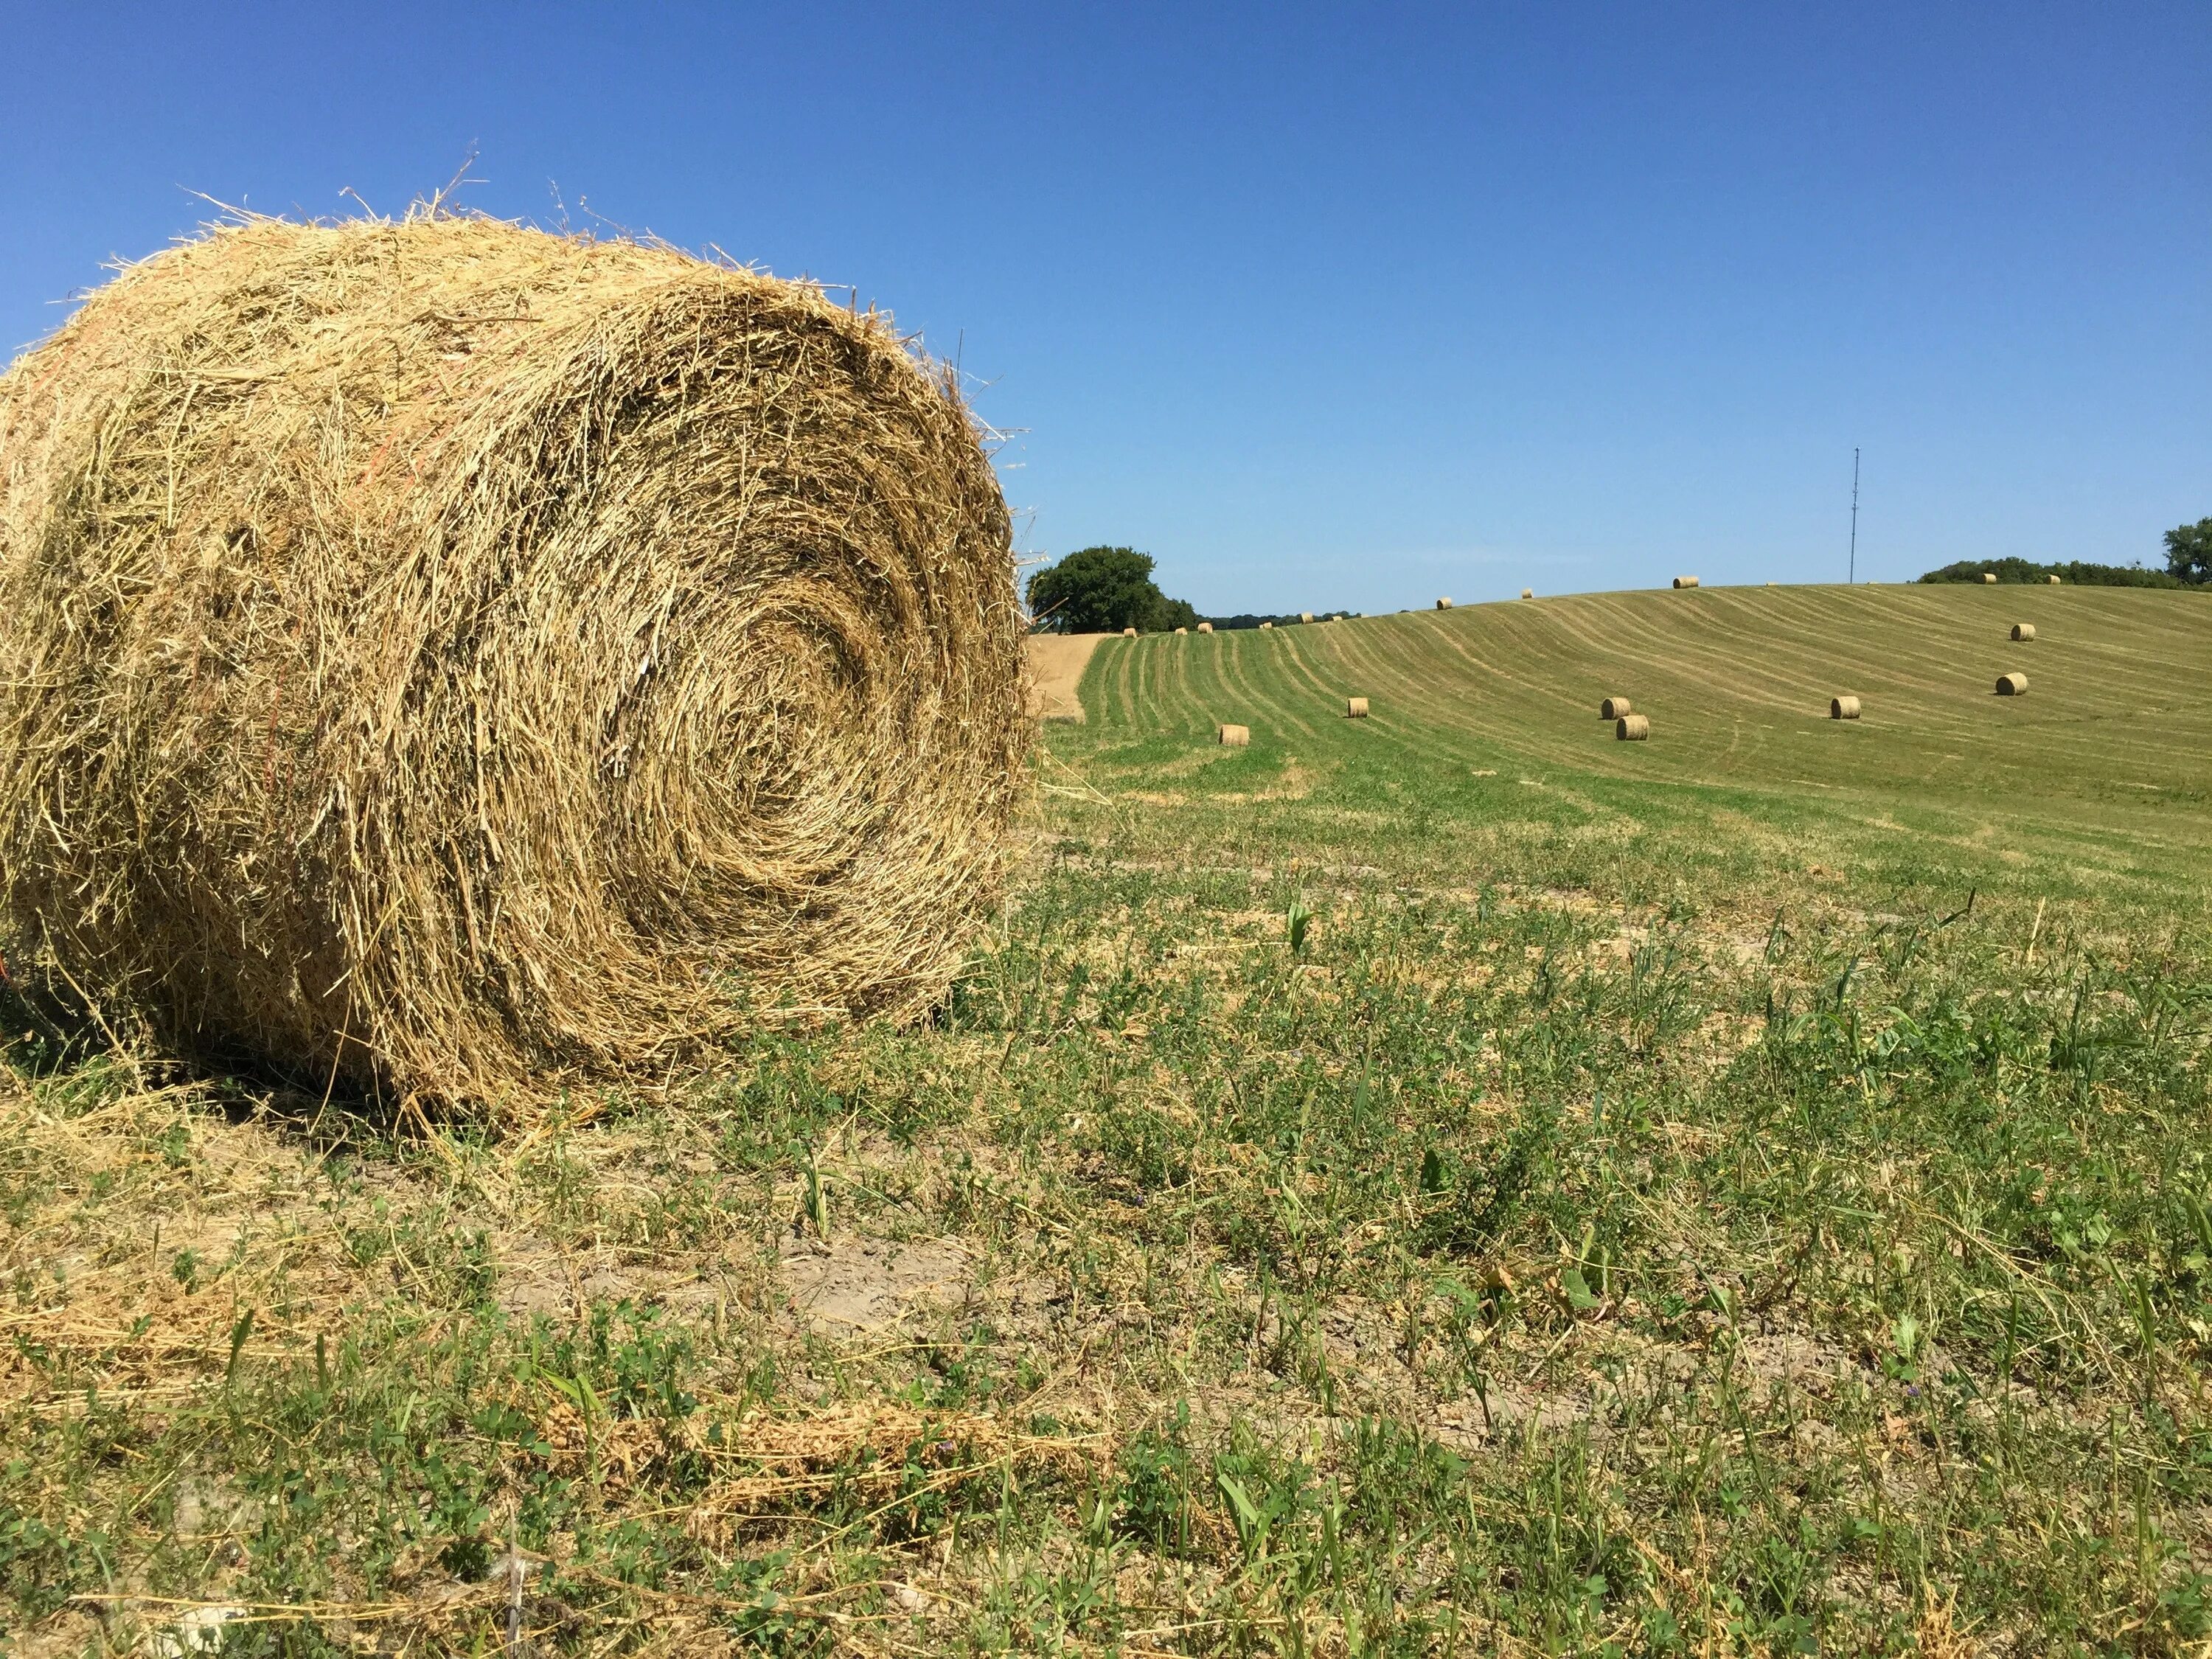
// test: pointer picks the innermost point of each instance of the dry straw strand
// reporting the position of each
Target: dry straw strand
(1612, 709)
(1632, 728)
(471, 659)
(1845, 708)
(2023, 632)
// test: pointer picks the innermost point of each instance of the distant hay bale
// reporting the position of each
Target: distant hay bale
(1612, 709)
(1528, 592)
(1686, 581)
(1632, 728)
(2053, 581)
(1989, 577)
(1842, 708)
(1444, 605)
(1128, 632)
(1267, 625)
(1235, 736)
(1183, 630)
(470, 661)
(2012, 685)
(2023, 632)
(1305, 616)
(1355, 709)
(1205, 627)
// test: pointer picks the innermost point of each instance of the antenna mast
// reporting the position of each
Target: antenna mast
(1852, 580)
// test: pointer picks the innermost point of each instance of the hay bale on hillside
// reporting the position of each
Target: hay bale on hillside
(1355, 709)
(1632, 728)
(1444, 605)
(1305, 616)
(2053, 581)
(2022, 633)
(1686, 581)
(2012, 685)
(472, 660)
(1205, 627)
(1989, 577)
(1128, 632)
(1234, 737)
(1612, 709)
(1845, 708)
(1183, 630)
(1267, 624)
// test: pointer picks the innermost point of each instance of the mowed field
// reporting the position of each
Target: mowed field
(2100, 771)
(1448, 1182)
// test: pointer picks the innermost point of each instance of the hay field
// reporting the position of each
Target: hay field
(1443, 1182)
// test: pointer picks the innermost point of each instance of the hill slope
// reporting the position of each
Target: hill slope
(2107, 754)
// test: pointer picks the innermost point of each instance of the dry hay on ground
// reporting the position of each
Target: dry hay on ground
(468, 658)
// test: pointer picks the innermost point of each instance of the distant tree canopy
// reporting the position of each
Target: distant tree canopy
(2074, 571)
(2189, 552)
(1103, 590)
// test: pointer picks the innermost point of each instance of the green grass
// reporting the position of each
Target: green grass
(1444, 1183)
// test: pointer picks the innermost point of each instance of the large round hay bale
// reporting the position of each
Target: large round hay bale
(1845, 708)
(1528, 592)
(1205, 627)
(1234, 737)
(2053, 581)
(1612, 709)
(2022, 633)
(2012, 685)
(1989, 577)
(1686, 581)
(1632, 728)
(1444, 605)
(1267, 624)
(471, 660)
(1305, 616)
(1183, 630)
(1128, 632)
(1355, 709)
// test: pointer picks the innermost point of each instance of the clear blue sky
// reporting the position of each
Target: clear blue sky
(1323, 307)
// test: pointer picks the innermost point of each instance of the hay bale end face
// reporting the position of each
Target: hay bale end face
(2023, 632)
(1355, 709)
(1845, 708)
(1444, 605)
(444, 722)
(1989, 577)
(1632, 728)
(1305, 616)
(1613, 708)
(1686, 581)
(2012, 685)
(1234, 737)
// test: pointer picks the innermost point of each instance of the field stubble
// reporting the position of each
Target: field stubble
(1467, 1201)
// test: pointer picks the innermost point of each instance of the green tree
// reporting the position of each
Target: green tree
(1103, 590)
(2189, 551)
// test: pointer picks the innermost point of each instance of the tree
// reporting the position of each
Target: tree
(1103, 590)
(2189, 551)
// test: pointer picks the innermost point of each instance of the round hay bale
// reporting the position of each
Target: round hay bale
(1305, 616)
(1686, 581)
(1989, 577)
(1632, 728)
(1444, 605)
(471, 660)
(1235, 736)
(1205, 627)
(1268, 624)
(2023, 633)
(1128, 632)
(1528, 592)
(2053, 581)
(1355, 709)
(1183, 630)
(1845, 708)
(1612, 709)
(2012, 685)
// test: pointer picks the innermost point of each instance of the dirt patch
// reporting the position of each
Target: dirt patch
(1056, 662)
(853, 1284)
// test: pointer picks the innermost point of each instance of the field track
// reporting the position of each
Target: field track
(1736, 683)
